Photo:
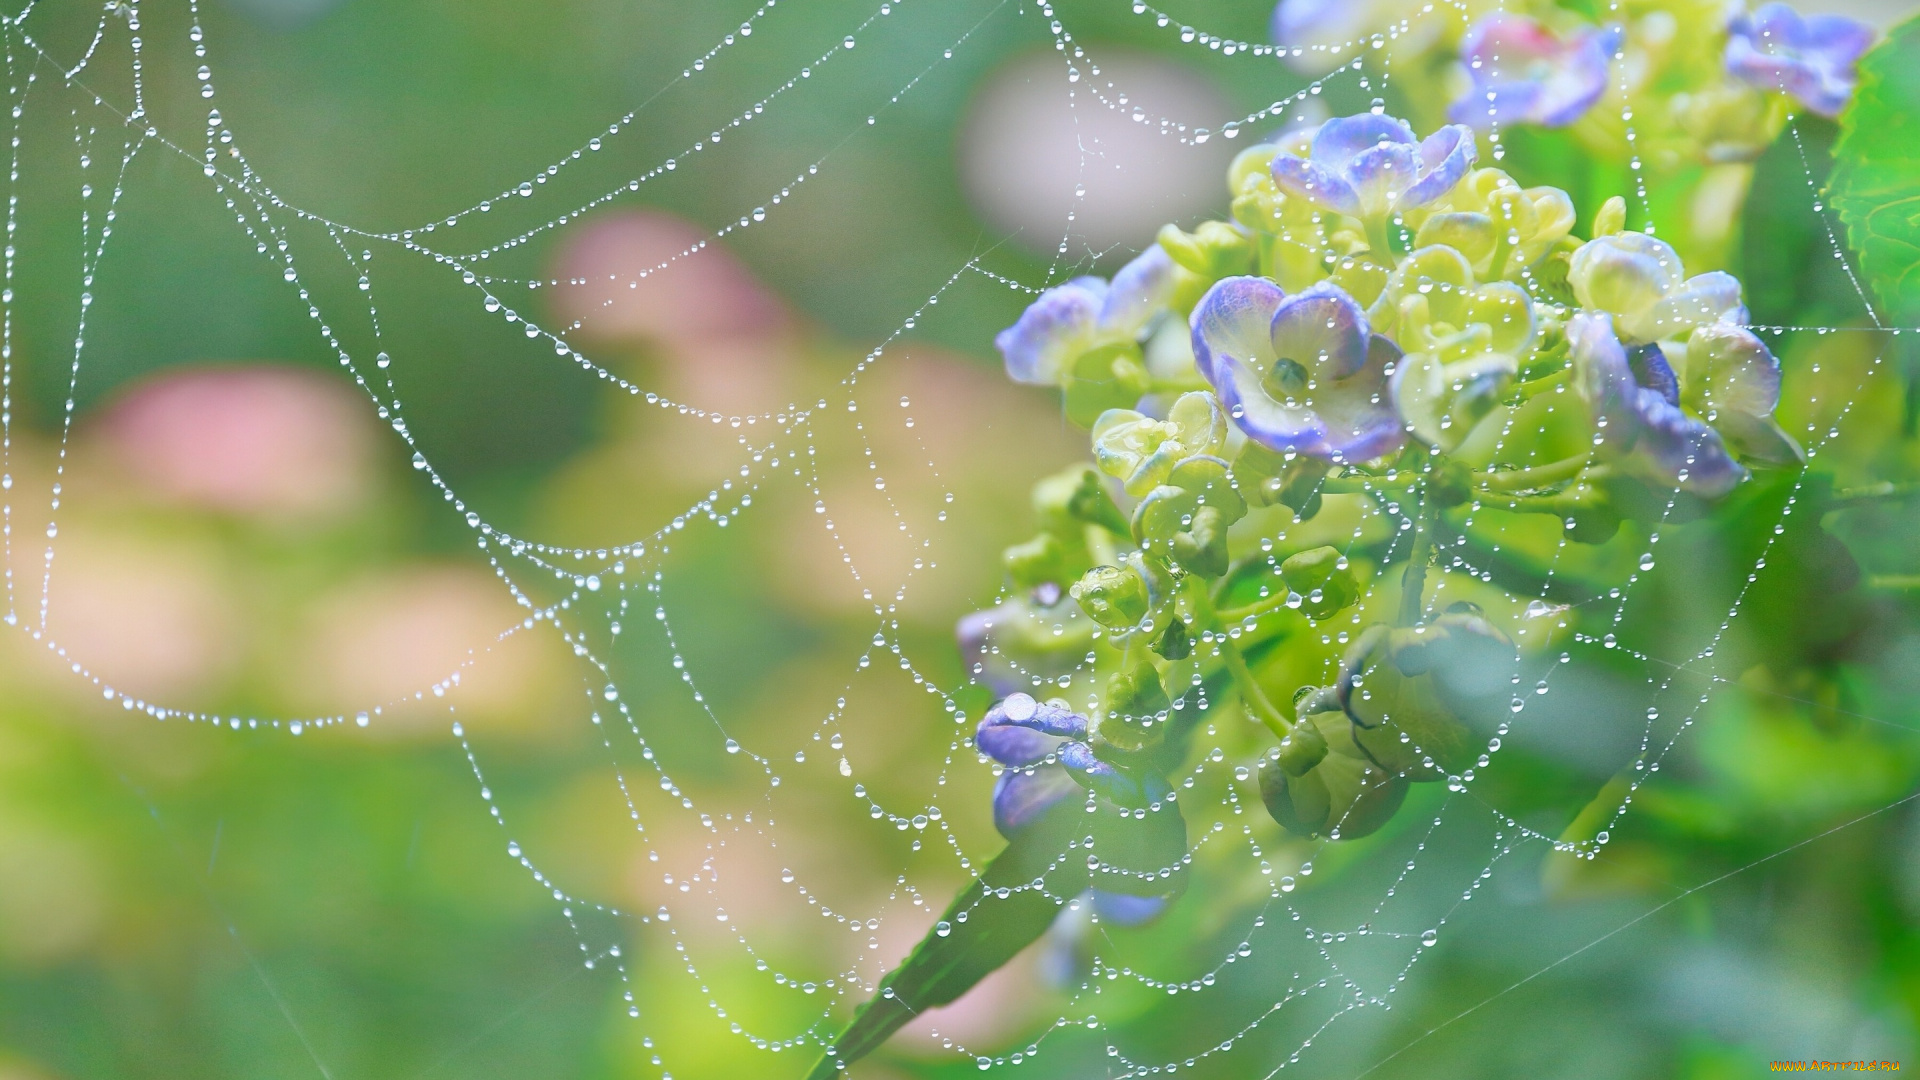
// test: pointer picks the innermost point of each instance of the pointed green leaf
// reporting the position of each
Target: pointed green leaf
(983, 930)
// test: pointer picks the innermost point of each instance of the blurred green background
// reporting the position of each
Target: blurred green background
(240, 535)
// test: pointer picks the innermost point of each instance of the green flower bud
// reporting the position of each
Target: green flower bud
(1345, 796)
(1450, 483)
(1501, 228)
(1136, 708)
(1611, 218)
(1214, 250)
(1140, 451)
(1176, 643)
(1269, 476)
(1322, 577)
(1112, 376)
(1304, 746)
(1074, 497)
(1416, 695)
(1114, 597)
(1202, 548)
(1173, 506)
(1045, 558)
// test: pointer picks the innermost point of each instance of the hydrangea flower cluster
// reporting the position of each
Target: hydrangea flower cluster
(1673, 100)
(1542, 64)
(1387, 325)
(1324, 428)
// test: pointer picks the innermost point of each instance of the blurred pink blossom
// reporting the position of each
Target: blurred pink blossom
(267, 440)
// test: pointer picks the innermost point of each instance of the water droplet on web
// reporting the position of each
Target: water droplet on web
(942, 928)
(1646, 562)
(1428, 938)
(846, 769)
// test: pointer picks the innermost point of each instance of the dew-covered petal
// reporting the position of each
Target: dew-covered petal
(1380, 174)
(1733, 380)
(1652, 371)
(1699, 301)
(1506, 309)
(1142, 289)
(1100, 776)
(1270, 423)
(1678, 450)
(1342, 139)
(1445, 157)
(1729, 369)
(1021, 795)
(1233, 322)
(1441, 402)
(1357, 412)
(1626, 275)
(1018, 730)
(1315, 185)
(1602, 377)
(1323, 331)
(1201, 423)
(1052, 332)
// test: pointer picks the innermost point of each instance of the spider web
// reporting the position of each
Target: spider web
(1331, 958)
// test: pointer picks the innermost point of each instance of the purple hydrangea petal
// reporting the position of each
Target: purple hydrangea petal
(1038, 347)
(1676, 449)
(1498, 102)
(1370, 164)
(1603, 378)
(1014, 745)
(1523, 73)
(1100, 776)
(1653, 437)
(1323, 330)
(1304, 24)
(1234, 321)
(1270, 423)
(1359, 414)
(1837, 36)
(1142, 289)
(1811, 59)
(1307, 386)
(1579, 80)
(1020, 731)
(1652, 371)
(1124, 910)
(1021, 795)
(1445, 157)
(1343, 139)
(1379, 174)
(1311, 183)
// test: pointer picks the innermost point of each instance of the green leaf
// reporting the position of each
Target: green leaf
(1876, 176)
(984, 930)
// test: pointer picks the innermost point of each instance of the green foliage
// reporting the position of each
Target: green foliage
(1876, 178)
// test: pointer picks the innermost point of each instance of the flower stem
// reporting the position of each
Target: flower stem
(1254, 698)
(1873, 493)
(1251, 695)
(1539, 476)
(1413, 583)
(1377, 243)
